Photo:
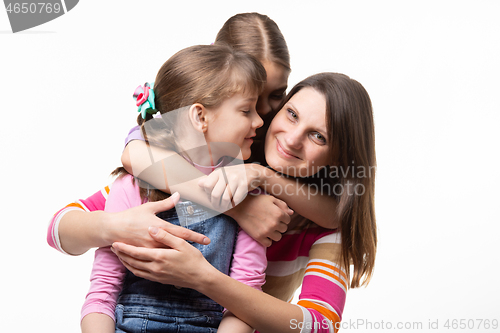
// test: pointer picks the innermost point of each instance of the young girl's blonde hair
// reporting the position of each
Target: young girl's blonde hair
(204, 74)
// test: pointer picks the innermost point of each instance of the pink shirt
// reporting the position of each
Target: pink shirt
(248, 265)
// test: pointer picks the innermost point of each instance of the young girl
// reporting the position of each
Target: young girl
(82, 224)
(326, 120)
(208, 92)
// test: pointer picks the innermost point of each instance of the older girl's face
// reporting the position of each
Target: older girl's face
(274, 89)
(296, 142)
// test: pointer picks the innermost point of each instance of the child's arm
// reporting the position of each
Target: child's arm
(248, 266)
(232, 324)
(305, 199)
(167, 171)
(97, 322)
(264, 224)
(98, 311)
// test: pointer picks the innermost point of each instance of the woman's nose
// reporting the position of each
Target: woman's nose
(294, 138)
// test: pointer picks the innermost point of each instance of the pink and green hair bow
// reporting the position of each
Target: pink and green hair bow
(145, 100)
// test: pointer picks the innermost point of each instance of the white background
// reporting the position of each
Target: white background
(432, 70)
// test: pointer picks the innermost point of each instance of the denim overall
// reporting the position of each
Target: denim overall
(148, 307)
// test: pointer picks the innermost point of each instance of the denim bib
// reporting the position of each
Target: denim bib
(147, 307)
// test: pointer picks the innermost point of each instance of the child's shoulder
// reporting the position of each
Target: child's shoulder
(126, 185)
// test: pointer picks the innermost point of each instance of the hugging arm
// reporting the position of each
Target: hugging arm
(305, 199)
(321, 301)
(98, 311)
(263, 218)
(83, 224)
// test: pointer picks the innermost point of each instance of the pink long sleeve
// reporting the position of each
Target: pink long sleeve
(95, 202)
(108, 272)
(249, 261)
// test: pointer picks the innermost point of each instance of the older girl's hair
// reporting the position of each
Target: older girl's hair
(204, 74)
(258, 35)
(351, 134)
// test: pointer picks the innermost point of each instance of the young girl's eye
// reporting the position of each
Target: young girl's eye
(292, 114)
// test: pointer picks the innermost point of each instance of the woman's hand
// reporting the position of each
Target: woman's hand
(131, 226)
(180, 264)
(263, 217)
(227, 186)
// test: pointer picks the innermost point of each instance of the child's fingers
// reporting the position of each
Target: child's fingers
(217, 193)
(208, 182)
(240, 194)
(283, 206)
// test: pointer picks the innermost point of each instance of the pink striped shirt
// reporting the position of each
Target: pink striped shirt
(307, 255)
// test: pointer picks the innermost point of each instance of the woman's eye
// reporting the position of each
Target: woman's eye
(292, 114)
(319, 137)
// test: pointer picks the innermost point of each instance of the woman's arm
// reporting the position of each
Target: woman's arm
(259, 310)
(83, 225)
(321, 301)
(107, 272)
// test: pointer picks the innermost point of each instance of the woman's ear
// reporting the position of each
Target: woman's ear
(198, 117)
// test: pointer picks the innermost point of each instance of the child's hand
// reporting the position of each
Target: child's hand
(226, 187)
(263, 217)
(131, 226)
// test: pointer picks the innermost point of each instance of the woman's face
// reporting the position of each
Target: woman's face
(274, 90)
(296, 142)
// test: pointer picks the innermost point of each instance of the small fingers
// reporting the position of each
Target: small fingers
(217, 193)
(208, 182)
(275, 236)
(283, 206)
(266, 242)
(282, 227)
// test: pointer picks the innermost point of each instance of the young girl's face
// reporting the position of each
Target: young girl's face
(296, 142)
(274, 89)
(234, 121)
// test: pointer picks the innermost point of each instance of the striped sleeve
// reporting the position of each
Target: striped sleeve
(324, 287)
(92, 203)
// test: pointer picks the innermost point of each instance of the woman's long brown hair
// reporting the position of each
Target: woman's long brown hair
(351, 138)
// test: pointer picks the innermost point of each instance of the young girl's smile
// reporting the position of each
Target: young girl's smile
(234, 121)
(296, 142)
